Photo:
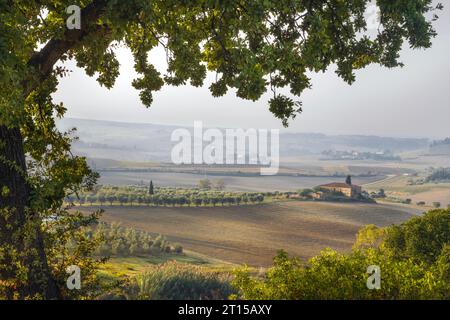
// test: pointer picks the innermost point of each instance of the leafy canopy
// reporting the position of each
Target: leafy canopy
(252, 46)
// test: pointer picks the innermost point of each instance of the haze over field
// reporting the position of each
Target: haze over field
(129, 153)
(150, 142)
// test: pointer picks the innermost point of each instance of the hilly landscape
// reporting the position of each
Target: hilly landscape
(129, 155)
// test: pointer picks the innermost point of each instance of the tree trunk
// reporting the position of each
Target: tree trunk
(15, 200)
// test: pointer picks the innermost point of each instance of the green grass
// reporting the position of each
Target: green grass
(117, 267)
(175, 281)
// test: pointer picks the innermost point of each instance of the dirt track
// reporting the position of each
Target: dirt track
(253, 234)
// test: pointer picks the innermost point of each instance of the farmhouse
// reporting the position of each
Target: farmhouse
(349, 190)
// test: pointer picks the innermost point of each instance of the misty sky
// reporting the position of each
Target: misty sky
(410, 102)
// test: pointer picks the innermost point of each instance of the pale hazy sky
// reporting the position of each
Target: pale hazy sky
(411, 102)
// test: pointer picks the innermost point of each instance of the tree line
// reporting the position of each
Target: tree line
(438, 175)
(163, 197)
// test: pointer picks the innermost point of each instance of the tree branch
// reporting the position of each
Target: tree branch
(44, 60)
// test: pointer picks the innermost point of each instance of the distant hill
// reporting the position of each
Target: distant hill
(317, 143)
(440, 147)
(150, 142)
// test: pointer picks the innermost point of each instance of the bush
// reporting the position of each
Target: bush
(306, 192)
(436, 204)
(175, 281)
(414, 259)
(420, 238)
(178, 249)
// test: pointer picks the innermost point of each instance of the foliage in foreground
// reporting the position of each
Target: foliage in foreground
(414, 259)
(175, 281)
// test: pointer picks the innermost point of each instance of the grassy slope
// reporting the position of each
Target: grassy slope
(118, 267)
(397, 186)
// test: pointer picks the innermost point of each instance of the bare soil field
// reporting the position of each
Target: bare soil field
(253, 234)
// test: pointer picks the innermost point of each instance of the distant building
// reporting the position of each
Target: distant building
(349, 190)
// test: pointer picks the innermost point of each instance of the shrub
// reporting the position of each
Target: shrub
(175, 281)
(204, 184)
(306, 192)
(421, 238)
(178, 249)
(436, 204)
(414, 259)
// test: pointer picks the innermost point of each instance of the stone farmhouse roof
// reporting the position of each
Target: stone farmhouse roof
(336, 185)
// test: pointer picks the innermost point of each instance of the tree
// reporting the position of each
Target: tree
(91, 199)
(220, 184)
(260, 198)
(150, 189)
(348, 180)
(197, 201)
(81, 200)
(140, 200)
(131, 199)
(120, 247)
(251, 46)
(306, 192)
(111, 198)
(123, 199)
(204, 184)
(182, 200)
(437, 205)
(206, 201)
(102, 199)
